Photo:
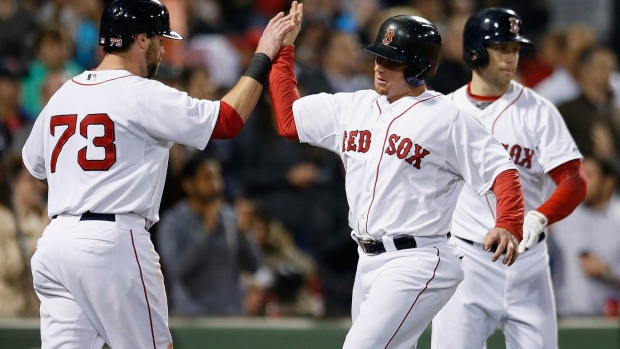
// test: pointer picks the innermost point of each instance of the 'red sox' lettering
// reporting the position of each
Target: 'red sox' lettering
(520, 155)
(402, 149)
(356, 141)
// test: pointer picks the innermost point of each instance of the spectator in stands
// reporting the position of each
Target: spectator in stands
(285, 176)
(287, 283)
(340, 67)
(12, 115)
(452, 72)
(53, 49)
(202, 250)
(23, 217)
(593, 118)
(17, 27)
(562, 85)
(586, 246)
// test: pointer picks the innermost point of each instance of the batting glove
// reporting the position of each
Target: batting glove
(533, 225)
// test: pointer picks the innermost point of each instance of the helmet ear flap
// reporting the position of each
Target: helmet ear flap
(476, 59)
(418, 71)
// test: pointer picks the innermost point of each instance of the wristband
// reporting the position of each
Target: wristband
(259, 68)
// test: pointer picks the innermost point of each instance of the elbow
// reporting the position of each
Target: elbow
(288, 134)
(582, 189)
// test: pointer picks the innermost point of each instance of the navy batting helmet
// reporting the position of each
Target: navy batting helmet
(409, 39)
(490, 26)
(123, 19)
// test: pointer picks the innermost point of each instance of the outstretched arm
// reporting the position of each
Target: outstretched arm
(282, 80)
(238, 103)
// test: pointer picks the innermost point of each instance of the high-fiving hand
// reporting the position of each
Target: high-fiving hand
(297, 13)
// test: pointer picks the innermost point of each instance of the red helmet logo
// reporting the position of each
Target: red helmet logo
(514, 25)
(389, 35)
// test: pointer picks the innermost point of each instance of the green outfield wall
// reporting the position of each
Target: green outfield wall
(230, 333)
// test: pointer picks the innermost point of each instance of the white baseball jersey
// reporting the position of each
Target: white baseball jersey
(405, 162)
(102, 142)
(519, 298)
(534, 134)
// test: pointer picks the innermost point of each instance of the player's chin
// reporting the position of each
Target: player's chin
(151, 71)
(381, 89)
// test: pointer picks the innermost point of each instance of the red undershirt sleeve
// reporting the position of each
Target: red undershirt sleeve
(510, 204)
(229, 122)
(283, 92)
(569, 193)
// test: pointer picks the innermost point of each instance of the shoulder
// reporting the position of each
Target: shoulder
(530, 95)
(362, 96)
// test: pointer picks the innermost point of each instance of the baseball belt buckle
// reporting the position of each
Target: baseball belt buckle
(369, 245)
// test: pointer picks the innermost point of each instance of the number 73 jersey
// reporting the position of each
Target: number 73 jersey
(102, 142)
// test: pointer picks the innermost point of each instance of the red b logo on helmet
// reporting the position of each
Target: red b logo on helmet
(389, 34)
(514, 25)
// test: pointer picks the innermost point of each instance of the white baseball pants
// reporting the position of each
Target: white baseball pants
(396, 294)
(519, 299)
(100, 281)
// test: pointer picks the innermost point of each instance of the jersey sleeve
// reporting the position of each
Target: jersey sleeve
(172, 115)
(475, 154)
(317, 120)
(556, 145)
(33, 156)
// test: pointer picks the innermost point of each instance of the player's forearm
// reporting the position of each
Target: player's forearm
(510, 204)
(569, 193)
(283, 92)
(244, 96)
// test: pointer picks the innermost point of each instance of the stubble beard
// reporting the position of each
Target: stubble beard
(152, 61)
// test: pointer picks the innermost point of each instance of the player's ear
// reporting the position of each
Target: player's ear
(141, 41)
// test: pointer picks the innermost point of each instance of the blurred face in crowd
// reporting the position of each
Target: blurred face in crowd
(502, 67)
(10, 89)
(599, 68)
(343, 54)
(207, 184)
(390, 78)
(54, 50)
(600, 187)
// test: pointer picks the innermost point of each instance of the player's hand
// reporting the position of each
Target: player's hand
(505, 241)
(533, 225)
(297, 13)
(271, 40)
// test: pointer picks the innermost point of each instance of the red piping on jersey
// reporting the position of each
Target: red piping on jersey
(146, 296)
(490, 208)
(416, 299)
(374, 190)
(508, 106)
(492, 132)
(99, 83)
(378, 106)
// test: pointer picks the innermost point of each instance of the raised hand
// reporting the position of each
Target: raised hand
(297, 13)
(271, 40)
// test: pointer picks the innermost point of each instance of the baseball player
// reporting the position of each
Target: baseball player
(407, 153)
(102, 144)
(518, 299)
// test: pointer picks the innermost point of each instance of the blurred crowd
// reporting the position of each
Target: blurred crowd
(257, 225)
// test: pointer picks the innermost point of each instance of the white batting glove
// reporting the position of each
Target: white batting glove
(533, 225)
